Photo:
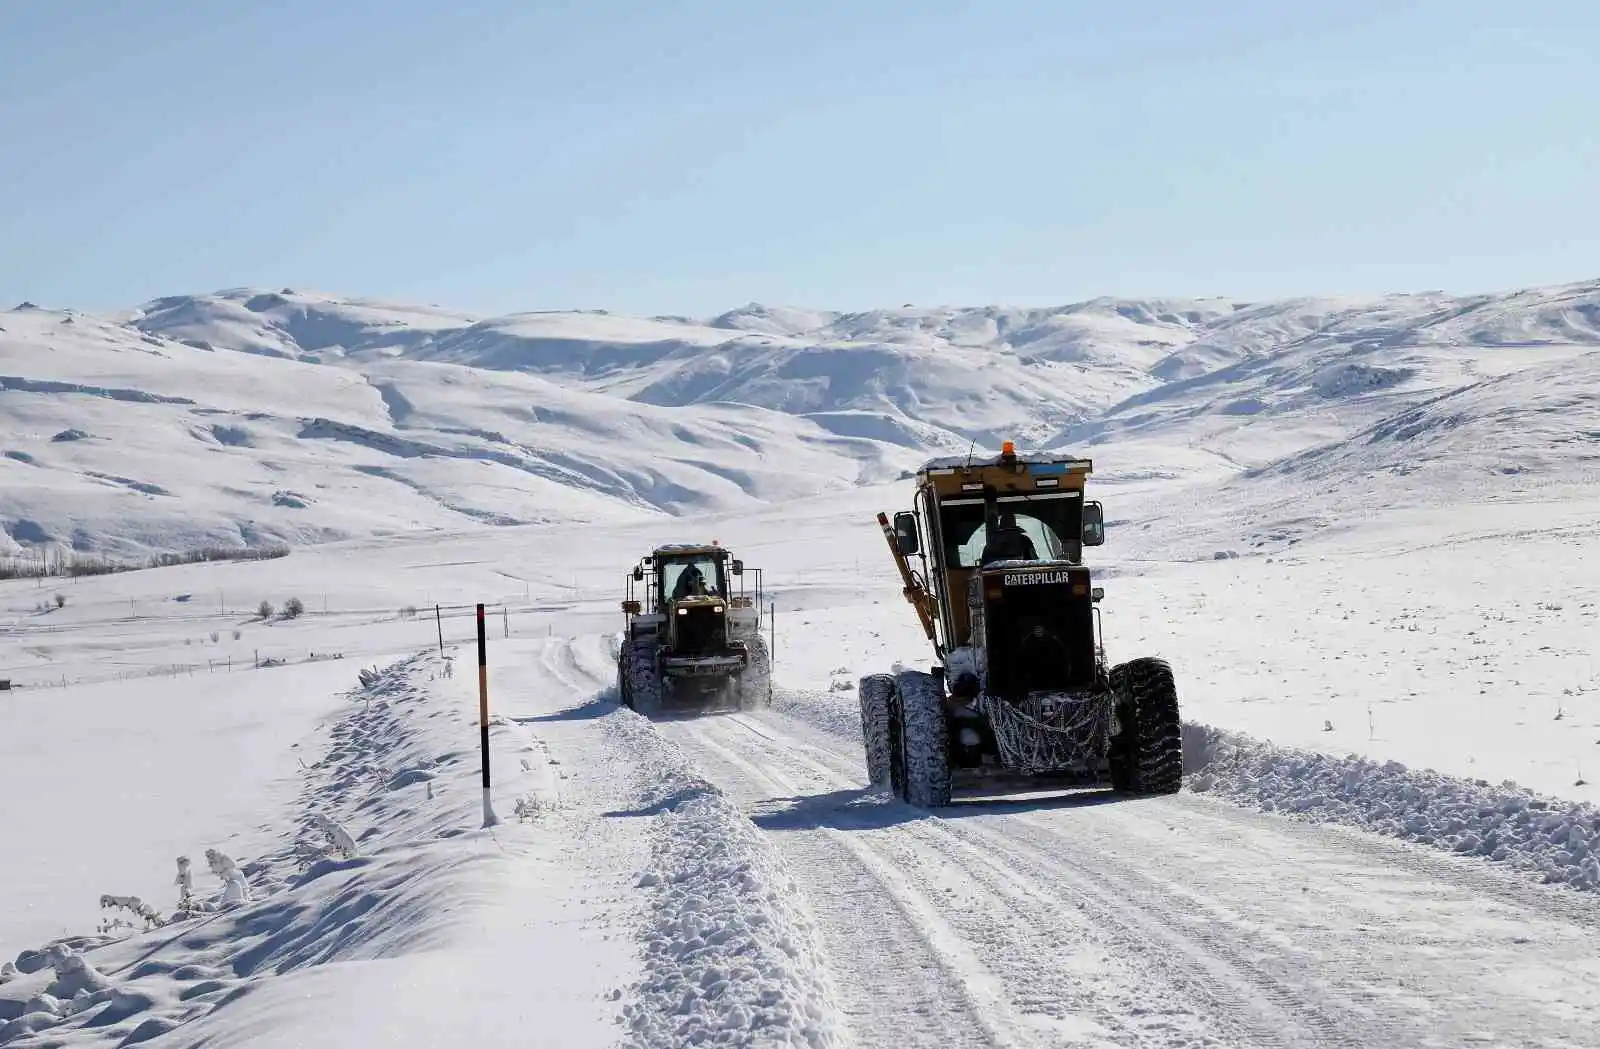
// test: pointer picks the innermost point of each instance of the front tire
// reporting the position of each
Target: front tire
(876, 694)
(755, 683)
(1149, 750)
(643, 687)
(924, 740)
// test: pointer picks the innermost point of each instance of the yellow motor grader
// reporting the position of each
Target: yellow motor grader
(1021, 696)
(692, 632)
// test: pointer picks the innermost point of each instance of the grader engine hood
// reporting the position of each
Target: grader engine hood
(1038, 627)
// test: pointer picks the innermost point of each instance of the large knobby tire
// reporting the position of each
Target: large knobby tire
(644, 682)
(755, 682)
(1148, 758)
(876, 693)
(924, 740)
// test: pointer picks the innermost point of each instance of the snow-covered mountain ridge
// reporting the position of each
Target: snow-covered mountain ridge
(253, 415)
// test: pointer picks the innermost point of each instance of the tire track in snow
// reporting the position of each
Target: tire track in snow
(1256, 1012)
(904, 979)
(1070, 966)
(1432, 954)
(1149, 880)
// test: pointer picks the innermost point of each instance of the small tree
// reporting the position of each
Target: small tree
(293, 607)
(215, 637)
(61, 600)
(264, 610)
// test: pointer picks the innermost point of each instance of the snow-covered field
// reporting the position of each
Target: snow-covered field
(1357, 529)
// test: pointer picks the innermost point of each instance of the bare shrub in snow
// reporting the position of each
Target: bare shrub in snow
(51, 563)
(185, 883)
(133, 904)
(340, 840)
(264, 610)
(215, 636)
(530, 807)
(237, 634)
(235, 890)
(61, 600)
(293, 608)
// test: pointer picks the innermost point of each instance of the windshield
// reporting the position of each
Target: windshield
(690, 577)
(1027, 528)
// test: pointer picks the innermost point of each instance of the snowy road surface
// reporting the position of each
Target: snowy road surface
(1179, 921)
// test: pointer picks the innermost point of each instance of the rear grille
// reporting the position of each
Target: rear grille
(700, 632)
(1040, 638)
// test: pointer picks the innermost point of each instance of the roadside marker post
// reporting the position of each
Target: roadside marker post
(489, 818)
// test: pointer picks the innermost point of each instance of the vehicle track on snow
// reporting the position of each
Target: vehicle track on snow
(1175, 921)
(901, 976)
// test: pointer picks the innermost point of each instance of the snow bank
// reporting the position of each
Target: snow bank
(307, 903)
(1504, 823)
(1556, 839)
(731, 957)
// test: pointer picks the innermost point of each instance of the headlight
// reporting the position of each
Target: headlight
(683, 611)
(717, 609)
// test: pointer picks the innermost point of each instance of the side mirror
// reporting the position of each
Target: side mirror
(738, 567)
(1094, 525)
(906, 534)
(1097, 593)
(638, 573)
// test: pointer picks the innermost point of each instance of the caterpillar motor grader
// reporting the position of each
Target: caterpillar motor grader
(692, 633)
(1021, 697)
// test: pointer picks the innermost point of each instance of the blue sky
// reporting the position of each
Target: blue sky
(689, 157)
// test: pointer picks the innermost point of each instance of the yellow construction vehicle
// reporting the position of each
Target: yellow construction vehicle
(1021, 696)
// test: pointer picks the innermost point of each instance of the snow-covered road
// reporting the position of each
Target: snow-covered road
(1182, 921)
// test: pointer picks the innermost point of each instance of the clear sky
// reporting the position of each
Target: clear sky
(688, 157)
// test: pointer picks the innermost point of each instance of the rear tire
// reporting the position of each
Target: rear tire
(924, 740)
(876, 693)
(1148, 756)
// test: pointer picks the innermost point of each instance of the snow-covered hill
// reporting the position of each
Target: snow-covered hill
(253, 415)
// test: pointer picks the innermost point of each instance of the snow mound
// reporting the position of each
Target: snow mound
(1559, 841)
(315, 901)
(731, 957)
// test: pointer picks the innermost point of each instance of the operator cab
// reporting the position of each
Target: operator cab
(1045, 526)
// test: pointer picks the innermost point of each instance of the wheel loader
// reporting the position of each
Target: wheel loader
(1020, 697)
(691, 639)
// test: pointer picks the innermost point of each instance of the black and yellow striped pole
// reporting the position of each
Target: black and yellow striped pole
(489, 818)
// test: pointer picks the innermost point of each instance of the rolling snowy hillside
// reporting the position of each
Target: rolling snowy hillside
(255, 416)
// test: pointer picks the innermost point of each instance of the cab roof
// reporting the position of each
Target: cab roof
(959, 476)
(689, 549)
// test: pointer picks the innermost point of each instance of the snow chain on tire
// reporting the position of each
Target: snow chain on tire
(1149, 753)
(876, 693)
(1049, 732)
(924, 740)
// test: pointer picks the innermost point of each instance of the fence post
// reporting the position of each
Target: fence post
(489, 818)
(505, 617)
(438, 618)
